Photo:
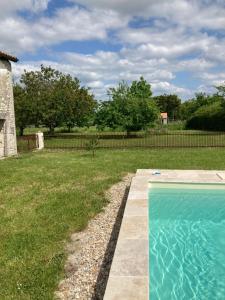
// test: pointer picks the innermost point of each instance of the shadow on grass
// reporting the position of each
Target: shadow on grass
(103, 275)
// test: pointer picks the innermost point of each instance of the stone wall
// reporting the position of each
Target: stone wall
(7, 115)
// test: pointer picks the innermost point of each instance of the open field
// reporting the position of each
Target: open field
(46, 196)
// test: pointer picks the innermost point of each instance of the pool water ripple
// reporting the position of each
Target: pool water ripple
(187, 242)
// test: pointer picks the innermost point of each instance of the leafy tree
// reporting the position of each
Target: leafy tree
(23, 108)
(107, 115)
(131, 107)
(42, 89)
(56, 99)
(208, 117)
(78, 104)
(85, 108)
(141, 89)
(170, 104)
(188, 108)
(209, 111)
(221, 94)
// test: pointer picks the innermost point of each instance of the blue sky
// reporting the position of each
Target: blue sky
(177, 45)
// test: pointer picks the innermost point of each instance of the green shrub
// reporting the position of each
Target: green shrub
(210, 117)
(175, 125)
(92, 144)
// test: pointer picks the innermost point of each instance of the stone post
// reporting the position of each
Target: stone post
(40, 140)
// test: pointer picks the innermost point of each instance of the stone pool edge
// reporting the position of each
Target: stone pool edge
(129, 278)
(129, 274)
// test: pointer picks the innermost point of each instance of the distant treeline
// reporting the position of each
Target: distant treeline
(52, 99)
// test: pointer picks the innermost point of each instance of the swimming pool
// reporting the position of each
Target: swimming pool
(187, 241)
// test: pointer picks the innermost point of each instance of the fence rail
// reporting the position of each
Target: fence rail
(26, 143)
(179, 139)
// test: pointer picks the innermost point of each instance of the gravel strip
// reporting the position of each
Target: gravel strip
(90, 252)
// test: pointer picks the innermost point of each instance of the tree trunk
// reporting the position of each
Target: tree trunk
(128, 133)
(21, 129)
(51, 130)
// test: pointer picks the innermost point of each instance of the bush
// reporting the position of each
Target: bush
(210, 117)
(175, 125)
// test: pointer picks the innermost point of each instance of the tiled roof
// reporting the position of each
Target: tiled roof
(8, 57)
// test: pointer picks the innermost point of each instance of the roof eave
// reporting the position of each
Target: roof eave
(8, 57)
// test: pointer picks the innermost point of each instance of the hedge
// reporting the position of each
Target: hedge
(211, 117)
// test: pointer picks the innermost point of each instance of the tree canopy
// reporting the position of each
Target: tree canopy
(131, 108)
(206, 112)
(170, 104)
(50, 98)
(23, 108)
(221, 94)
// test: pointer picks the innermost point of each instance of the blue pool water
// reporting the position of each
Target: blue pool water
(187, 241)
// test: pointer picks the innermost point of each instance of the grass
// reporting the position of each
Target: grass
(172, 126)
(46, 196)
(32, 130)
(168, 136)
(184, 139)
(175, 125)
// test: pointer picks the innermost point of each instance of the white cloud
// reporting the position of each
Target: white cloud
(10, 6)
(194, 13)
(216, 51)
(213, 79)
(68, 24)
(77, 24)
(117, 66)
(172, 36)
(172, 42)
(39, 5)
(123, 6)
(168, 88)
(104, 69)
(194, 65)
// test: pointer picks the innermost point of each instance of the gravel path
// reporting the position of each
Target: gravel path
(90, 252)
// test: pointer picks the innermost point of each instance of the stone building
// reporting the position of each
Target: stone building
(8, 146)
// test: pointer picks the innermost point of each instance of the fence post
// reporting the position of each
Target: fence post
(40, 140)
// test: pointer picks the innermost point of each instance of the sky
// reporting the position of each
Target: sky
(177, 45)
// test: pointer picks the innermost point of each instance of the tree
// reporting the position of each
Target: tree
(208, 117)
(41, 89)
(170, 104)
(221, 94)
(188, 108)
(56, 99)
(131, 107)
(209, 111)
(141, 89)
(78, 104)
(23, 108)
(107, 115)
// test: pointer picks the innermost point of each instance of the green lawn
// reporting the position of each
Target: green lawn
(44, 197)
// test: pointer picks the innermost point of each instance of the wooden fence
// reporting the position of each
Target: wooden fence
(26, 143)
